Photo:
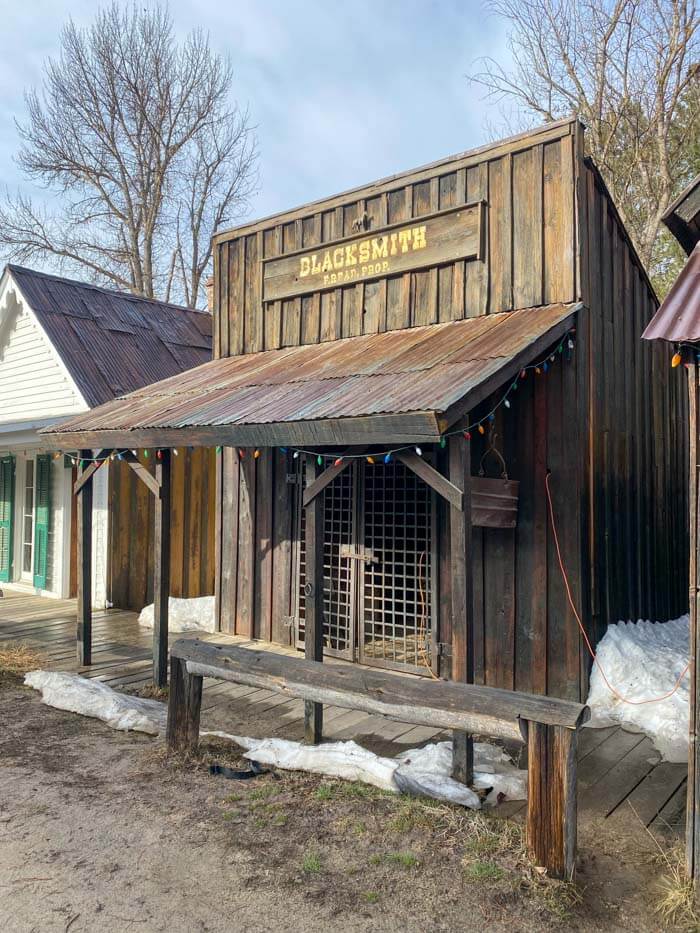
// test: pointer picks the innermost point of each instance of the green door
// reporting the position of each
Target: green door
(7, 511)
(42, 514)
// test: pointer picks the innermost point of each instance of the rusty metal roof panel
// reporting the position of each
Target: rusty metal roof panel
(423, 369)
(111, 342)
(678, 317)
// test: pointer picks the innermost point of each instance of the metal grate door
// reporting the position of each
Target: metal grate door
(339, 570)
(379, 558)
(398, 601)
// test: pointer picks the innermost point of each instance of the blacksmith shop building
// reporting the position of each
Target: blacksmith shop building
(405, 374)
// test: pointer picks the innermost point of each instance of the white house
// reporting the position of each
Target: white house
(65, 347)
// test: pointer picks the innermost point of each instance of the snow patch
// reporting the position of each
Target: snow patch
(430, 769)
(417, 771)
(346, 760)
(643, 660)
(93, 698)
(184, 615)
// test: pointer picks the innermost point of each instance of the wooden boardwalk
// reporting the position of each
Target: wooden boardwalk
(617, 769)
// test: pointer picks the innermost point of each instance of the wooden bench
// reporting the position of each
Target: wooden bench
(548, 726)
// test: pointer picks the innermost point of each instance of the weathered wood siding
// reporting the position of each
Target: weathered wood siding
(254, 542)
(525, 635)
(529, 249)
(692, 844)
(192, 530)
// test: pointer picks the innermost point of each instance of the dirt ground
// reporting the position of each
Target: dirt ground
(100, 831)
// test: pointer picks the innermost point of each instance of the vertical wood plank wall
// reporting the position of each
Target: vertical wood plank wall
(608, 424)
(611, 427)
(529, 245)
(525, 633)
(256, 545)
(638, 433)
(192, 530)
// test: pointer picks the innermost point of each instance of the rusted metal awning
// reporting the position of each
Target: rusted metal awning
(678, 317)
(399, 386)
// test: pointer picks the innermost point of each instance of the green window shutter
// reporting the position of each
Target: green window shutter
(42, 515)
(7, 512)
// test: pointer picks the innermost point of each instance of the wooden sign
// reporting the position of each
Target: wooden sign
(427, 241)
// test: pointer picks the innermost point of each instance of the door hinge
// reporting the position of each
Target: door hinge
(294, 479)
(444, 649)
(288, 621)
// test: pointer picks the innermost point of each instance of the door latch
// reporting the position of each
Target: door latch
(359, 553)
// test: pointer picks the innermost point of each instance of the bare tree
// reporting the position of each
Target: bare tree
(629, 69)
(142, 152)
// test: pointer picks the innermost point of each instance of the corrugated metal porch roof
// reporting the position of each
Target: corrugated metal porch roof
(400, 385)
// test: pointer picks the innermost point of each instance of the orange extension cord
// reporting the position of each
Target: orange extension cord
(610, 687)
(423, 619)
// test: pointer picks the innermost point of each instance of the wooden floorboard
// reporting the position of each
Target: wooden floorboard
(671, 818)
(648, 799)
(619, 772)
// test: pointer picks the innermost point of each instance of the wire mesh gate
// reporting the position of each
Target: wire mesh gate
(379, 559)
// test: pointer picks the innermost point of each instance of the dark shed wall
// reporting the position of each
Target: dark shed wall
(638, 437)
(525, 634)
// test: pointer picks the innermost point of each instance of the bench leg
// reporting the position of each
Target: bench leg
(551, 798)
(462, 757)
(184, 705)
(313, 722)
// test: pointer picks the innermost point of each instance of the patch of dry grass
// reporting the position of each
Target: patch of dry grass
(148, 692)
(675, 894)
(675, 899)
(16, 660)
(210, 751)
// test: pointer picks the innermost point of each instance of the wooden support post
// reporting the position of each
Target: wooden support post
(462, 601)
(313, 592)
(161, 571)
(551, 798)
(84, 633)
(184, 706)
(692, 816)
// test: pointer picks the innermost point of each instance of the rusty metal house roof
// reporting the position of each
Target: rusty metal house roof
(399, 386)
(114, 342)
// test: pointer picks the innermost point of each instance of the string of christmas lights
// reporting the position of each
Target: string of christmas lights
(113, 455)
(540, 367)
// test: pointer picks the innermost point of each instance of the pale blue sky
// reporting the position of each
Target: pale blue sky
(342, 92)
